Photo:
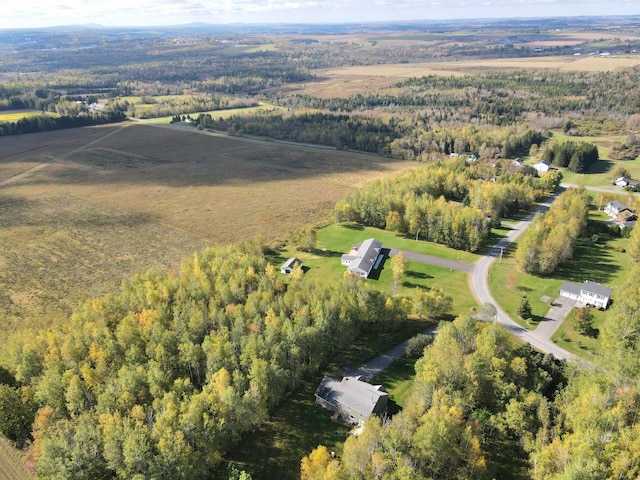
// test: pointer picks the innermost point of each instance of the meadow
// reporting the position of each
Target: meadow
(15, 115)
(359, 79)
(83, 209)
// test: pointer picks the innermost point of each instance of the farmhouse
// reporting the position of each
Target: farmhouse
(361, 260)
(626, 182)
(589, 293)
(616, 209)
(542, 166)
(288, 266)
(351, 398)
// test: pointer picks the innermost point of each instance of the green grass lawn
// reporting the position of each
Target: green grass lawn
(571, 340)
(598, 261)
(397, 381)
(324, 264)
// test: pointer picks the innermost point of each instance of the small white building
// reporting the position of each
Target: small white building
(626, 182)
(288, 266)
(589, 293)
(542, 166)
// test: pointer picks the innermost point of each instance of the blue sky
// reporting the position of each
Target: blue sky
(42, 13)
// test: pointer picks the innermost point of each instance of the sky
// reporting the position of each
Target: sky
(45, 13)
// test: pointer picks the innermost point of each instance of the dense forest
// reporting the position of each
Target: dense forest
(552, 236)
(161, 380)
(449, 202)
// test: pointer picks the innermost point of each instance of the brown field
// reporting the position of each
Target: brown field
(352, 80)
(11, 467)
(83, 209)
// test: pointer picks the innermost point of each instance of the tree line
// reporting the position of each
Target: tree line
(41, 123)
(550, 239)
(445, 202)
(575, 156)
(162, 379)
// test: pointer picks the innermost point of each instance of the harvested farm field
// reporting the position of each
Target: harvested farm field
(83, 209)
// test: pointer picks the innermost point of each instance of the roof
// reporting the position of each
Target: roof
(593, 287)
(292, 262)
(571, 287)
(543, 162)
(596, 288)
(351, 392)
(366, 256)
(617, 205)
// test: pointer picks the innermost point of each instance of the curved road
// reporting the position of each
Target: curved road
(479, 282)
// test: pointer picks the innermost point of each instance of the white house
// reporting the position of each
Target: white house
(361, 260)
(626, 182)
(288, 266)
(542, 166)
(589, 293)
(517, 162)
(615, 209)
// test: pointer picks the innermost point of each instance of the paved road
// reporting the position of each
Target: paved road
(480, 288)
(431, 260)
(374, 367)
(605, 189)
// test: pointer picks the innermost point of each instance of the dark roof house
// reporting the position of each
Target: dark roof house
(615, 208)
(351, 398)
(361, 260)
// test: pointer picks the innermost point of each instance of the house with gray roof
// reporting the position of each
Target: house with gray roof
(542, 166)
(364, 258)
(615, 209)
(589, 293)
(625, 182)
(288, 266)
(351, 399)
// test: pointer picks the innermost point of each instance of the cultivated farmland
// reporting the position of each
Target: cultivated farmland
(83, 209)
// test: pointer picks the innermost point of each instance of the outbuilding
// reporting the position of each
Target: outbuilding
(288, 266)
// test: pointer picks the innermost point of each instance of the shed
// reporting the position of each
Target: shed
(288, 266)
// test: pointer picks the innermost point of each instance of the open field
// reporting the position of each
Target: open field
(11, 467)
(15, 115)
(83, 209)
(359, 79)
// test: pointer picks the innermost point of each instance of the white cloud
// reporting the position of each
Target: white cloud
(164, 12)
